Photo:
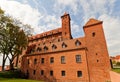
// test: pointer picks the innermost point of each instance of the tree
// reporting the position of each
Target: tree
(118, 63)
(13, 39)
(3, 37)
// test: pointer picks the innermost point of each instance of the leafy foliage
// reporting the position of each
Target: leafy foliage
(13, 37)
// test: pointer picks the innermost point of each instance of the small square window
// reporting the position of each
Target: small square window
(52, 60)
(97, 60)
(93, 34)
(62, 73)
(78, 58)
(63, 59)
(51, 73)
(79, 73)
(42, 60)
(34, 72)
(35, 61)
(42, 72)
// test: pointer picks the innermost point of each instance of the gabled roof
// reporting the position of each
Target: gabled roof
(51, 32)
(92, 21)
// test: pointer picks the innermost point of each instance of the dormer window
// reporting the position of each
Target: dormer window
(77, 43)
(45, 48)
(54, 47)
(32, 51)
(39, 49)
(64, 45)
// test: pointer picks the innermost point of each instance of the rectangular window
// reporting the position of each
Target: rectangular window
(79, 73)
(63, 59)
(34, 71)
(35, 61)
(42, 60)
(52, 60)
(62, 73)
(51, 73)
(78, 58)
(42, 72)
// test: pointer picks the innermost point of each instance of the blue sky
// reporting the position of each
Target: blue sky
(44, 15)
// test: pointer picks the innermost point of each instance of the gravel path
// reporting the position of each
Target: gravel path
(115, 77)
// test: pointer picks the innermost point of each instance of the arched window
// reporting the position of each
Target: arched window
(77, 43)
(64, 45)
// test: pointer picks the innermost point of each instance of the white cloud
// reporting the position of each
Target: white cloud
(94, 8)
(84, 9)
(111, 27)
(23, 12)
(62, 4)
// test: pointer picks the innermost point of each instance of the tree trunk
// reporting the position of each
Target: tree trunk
(3, 62)
(3, 65)
(16, 63)
(11, 65)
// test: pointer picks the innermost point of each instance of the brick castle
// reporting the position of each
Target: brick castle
(54, 56)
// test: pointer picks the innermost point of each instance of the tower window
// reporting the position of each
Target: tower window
(42, 72)
(42, 60)
(78, 58)
(51, 73)
(96, 54)
(97, 60)
(63, 59)
(62, 73)
(52, 60)
(93, 34)
(79, 73)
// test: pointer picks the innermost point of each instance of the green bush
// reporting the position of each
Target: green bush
(118, 63)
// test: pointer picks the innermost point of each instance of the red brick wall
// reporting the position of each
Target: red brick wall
(95, 64)
(66, 29)
(97, 54)
(0, 68)
(71, 67)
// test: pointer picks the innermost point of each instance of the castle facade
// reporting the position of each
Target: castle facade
(54, 56)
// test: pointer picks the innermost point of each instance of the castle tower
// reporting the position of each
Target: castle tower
(66, 29)
(97, 54)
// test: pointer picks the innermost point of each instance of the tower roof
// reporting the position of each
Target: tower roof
(65, 13)
(92, 21)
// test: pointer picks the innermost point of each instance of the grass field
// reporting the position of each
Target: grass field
(16, 80)
(116, 70)
(10, 76)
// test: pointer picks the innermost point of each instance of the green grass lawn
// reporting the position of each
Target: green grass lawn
(10, 76)
(116, 70)
(16, 80)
